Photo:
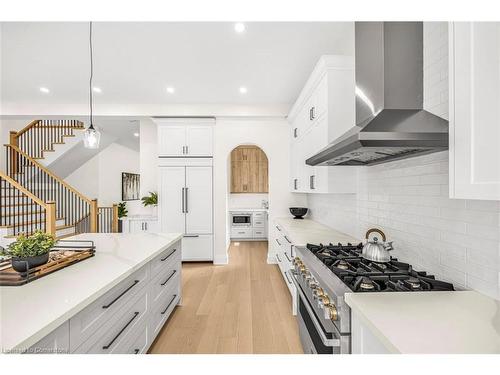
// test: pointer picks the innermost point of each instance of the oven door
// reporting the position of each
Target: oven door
(314, 338)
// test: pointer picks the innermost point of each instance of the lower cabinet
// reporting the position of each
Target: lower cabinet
(140, 224)
(127, 319)
(284, 252)
(363, 340)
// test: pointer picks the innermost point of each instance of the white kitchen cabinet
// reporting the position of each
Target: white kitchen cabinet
(324, 111)
(56, 342)
(185, 137)
(363, 339)
(139, 224)
(186, 206)
(255, 231)
(474, 110)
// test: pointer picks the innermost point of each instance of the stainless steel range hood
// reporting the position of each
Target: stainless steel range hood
(391, 123)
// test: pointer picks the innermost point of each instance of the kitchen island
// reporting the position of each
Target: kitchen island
(115, 302)
(456, 322)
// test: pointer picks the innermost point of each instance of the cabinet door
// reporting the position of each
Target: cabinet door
(171, 140)
(199, 140)
(198, 200)
(262, 177)
(475, 110)
(170, 198)
(198, 248)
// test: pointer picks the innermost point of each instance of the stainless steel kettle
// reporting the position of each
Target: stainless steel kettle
(374, 250)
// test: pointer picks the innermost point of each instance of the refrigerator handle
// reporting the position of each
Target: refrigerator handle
(186, 193)
(183, 203)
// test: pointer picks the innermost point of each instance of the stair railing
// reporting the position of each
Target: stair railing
(71, 205)
(23, 212)
(108, 219)
(41, 135)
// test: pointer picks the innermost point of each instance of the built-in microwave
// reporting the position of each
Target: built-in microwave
(241, 219)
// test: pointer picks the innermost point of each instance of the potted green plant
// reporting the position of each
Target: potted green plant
(122, 212)
(150, 200)
(30, 251)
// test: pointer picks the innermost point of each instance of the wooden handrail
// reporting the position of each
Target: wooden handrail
(22, 189)
(26, 128)
(60, 180)
(49, 207)
(35, 122)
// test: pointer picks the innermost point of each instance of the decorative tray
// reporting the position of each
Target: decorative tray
(63, 254)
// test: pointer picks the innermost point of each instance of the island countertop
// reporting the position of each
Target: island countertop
(431, 322)
(30, 312)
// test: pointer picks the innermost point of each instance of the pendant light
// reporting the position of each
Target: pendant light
(91, 136)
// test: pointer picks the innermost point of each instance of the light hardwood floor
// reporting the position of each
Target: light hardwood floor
(243, 307)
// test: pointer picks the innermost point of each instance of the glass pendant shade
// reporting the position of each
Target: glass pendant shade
(91, 138)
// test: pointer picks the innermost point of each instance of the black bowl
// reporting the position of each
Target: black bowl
(298, 212)
(20, 264)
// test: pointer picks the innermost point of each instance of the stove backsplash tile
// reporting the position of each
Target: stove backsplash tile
(457, 240)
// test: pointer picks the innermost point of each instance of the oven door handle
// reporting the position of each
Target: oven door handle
(326, 341)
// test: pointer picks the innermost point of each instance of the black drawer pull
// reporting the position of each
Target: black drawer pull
(166, 308)
(121, 295)
(136, 314)
(287, 279)
(136, 351)
(278, 228)
(278, 242)
(277, 257)
(168, 256)
(287, 257)
(287, 240)
(166, 281)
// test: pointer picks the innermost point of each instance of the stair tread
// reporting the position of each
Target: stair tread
(29, 223)
(57, 228)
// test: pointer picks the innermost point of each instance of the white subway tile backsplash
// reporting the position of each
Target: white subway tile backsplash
(457, 240)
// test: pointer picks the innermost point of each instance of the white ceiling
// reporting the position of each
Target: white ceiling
(135, 62)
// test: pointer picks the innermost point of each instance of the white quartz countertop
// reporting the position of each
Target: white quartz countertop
(139, 217)
(248, 210)
(302, 232)
(30, 312)
(431, 322)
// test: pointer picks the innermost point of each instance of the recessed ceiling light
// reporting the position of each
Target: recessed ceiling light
(239, 27)
(243, 90)
(97, 89)
(136, 134)
(170, 90)
(45, 90)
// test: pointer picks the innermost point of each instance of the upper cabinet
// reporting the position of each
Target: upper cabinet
(324, 111)
(474, 110)
(249, 170)
(185, 137)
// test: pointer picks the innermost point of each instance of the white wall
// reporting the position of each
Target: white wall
(271, 135)
(247, 200)
(101, 178)
(148, 162)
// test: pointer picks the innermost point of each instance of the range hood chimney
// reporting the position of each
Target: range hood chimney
(391, 123)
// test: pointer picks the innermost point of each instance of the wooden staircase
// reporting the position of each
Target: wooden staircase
(33, 198)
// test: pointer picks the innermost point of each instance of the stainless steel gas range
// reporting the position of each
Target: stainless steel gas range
(324, 274)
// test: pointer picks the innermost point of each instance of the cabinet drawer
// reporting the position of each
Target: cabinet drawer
(136, 342)
(259, 215)
(96, 316)
(164, 282)
(166, 259)
(121, 325)
(259, 233)
(162, 309)
(259, 223)
(243, 232)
